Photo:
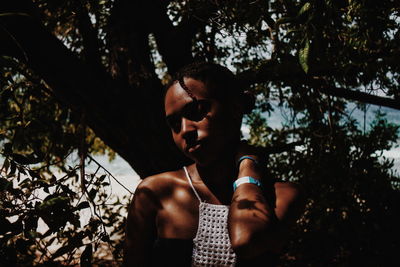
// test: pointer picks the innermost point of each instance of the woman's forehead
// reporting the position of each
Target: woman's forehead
(176, 96)
(196, 87)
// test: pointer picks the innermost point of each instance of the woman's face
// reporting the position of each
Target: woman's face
(203, 129)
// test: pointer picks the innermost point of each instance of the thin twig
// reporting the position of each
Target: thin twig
(17, 43)
(109, 173)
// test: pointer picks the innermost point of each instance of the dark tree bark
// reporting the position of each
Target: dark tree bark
(127, 117)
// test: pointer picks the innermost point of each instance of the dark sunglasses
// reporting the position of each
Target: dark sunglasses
(194, 111)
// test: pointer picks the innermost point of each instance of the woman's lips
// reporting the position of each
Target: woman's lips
(193, 148)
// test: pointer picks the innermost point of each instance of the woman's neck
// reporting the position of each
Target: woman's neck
(218, 176)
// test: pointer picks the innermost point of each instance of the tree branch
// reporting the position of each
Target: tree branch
(290, 72)
(124, 117)
(128, 32)
(174, 43)
(361, 97)
(89, 37)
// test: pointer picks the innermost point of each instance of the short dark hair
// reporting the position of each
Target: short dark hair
(222, 83)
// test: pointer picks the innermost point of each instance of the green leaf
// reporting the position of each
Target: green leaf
(33, 234)
(305, 8)
(105, 238)
(4, 184)
(6, 165)
(304, 55)
(53, 179)
(101, 178)
(25, 160)
(55, 211)
(25, 183)
(63, 250)
(67, 190)
(13, 168)
(46, 189)
(7, 148)
(31, 222)
(21, 159)
(92, 193)
(284, 20)
(34, 174)
(52, 201)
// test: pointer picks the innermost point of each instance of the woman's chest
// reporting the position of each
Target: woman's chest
(179, 213)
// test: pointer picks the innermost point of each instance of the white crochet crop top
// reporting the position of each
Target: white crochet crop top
(211, 246)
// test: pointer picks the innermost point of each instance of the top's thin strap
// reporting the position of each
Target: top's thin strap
(191, 184)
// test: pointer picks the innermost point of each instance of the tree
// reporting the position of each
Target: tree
(108, 72)
(102, 65)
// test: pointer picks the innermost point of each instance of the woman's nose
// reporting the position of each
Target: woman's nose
(188, 128)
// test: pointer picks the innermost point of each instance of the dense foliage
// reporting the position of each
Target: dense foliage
(86, 77)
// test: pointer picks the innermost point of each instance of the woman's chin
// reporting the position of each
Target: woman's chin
(205, 161)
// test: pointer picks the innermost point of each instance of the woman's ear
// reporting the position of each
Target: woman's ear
(248, 101)
(241, 105)
(237, 108)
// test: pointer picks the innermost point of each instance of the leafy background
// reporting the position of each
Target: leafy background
(83, 79)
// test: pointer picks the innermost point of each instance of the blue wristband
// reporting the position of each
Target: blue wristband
(246, 180)
(246, 157)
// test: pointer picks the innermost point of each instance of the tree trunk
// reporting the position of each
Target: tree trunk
(126, 117)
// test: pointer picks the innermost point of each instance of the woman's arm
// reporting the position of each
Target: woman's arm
(255, 226)
(141, 227)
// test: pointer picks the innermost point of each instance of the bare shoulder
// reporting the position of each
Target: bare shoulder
(141, 226)
(153, 188)
(157, 182)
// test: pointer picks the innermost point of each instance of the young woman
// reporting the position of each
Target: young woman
(195, 216)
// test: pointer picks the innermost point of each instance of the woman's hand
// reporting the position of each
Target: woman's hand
(248, 167)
